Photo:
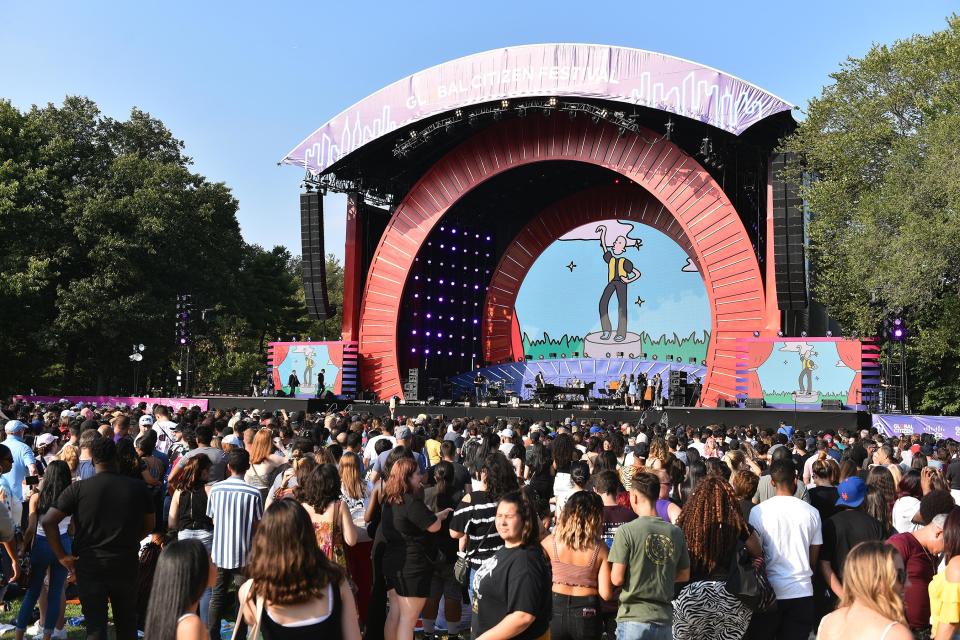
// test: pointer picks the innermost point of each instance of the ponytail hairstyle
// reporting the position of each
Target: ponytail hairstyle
(580, 474)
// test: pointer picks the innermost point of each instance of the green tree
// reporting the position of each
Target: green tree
(882, 142)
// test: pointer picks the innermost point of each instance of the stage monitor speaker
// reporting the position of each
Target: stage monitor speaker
(723, 403)
(754, 403)
(789, 241)
(678, 376)
(313, 261)
(831, 405)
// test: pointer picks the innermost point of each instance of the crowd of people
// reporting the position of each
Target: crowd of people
(342, 525)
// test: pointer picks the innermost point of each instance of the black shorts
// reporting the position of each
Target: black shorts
(410, 586)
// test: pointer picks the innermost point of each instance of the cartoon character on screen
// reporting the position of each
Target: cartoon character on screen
(620, 273)
(807, 366)
(308, 366)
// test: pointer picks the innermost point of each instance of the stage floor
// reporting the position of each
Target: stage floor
(691, 416)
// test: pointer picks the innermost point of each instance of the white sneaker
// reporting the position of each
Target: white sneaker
(59, 634)
(34, 630)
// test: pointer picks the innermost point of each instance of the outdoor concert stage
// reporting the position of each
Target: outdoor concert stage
(675, 416)
(568, 216)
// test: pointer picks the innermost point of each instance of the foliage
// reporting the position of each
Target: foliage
(883, 143)
(102, 224)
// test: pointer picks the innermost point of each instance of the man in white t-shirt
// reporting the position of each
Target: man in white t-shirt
(369, 451)
(790, 530)
(506, 441)
(165, 428)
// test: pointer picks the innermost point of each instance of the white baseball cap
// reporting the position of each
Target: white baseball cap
(146, 420)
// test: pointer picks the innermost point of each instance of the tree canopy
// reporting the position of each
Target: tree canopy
(882, 143)
(103, 223)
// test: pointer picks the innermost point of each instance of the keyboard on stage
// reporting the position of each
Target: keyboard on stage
(550, 392)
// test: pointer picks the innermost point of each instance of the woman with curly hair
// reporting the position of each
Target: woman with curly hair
(293, 590)
(581, 573)
(872, 604)
(715, 530)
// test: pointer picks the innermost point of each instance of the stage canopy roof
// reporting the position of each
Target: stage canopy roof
(623, 75)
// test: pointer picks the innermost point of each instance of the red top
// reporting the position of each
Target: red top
(921, 567)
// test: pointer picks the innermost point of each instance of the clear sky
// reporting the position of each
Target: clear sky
(242, 82)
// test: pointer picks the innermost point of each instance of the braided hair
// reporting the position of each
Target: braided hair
(712, 524)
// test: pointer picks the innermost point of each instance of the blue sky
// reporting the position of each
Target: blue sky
(243, 82)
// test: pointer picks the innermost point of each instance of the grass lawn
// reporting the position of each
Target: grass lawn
(73, 611)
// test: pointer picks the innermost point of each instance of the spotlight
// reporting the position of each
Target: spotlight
(756, 334)
(780, 334)
(552, 102)
(458, 113)
(504, 104)
(829, 334)
(803, 334)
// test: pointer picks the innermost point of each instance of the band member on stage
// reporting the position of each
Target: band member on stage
(321, 387)
(620, 273)
(480, 386)
(657, 390)
(648, 393)
(538, 381)
(631, 391)
(622, 388)
(293, 382)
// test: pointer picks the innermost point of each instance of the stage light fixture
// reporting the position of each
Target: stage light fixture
(780, 334)
(803, 334)
(756, 334)
(552, 102)
(504, 104)
(458, 113)
(829, 334)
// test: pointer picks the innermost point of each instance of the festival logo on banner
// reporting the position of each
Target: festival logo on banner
(628, 289)
(630, 76)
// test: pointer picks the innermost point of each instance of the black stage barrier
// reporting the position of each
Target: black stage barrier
(690, 416)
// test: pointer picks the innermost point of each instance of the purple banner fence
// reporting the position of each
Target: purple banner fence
(942, 427)
(629, 76)
(176, 403)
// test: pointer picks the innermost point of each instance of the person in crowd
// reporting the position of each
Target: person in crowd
(845, 530)
(110, 514)
(24, 464)
(218, 459)
(907, 504)
(184, 572)
(580, 571)
(882, 482)
(872, 604)
(332, 521)
(408, 559)
(766, 490)
(56, 479)
(668, 510)
(512, 587)
(166, 429)
(648, 557)
(293, 590)
(539, 472)
(607, 485)
(791, 533)
(744, 484)
(715, 530)
(920, 550)
(944, 590)
(235, 508)
(824, 477)
(188, 511)
(442, 495)
(564, 452)
(474, 517)
(265, 462)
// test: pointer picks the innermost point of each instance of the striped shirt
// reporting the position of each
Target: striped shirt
(477, 519)
(234, 506)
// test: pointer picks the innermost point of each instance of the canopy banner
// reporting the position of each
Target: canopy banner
(942, 427)
(630, 76)
(113, 401)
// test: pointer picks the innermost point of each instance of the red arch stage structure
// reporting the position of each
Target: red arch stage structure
(683, 189)
(533, 142)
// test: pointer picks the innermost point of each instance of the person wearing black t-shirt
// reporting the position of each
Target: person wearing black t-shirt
(512, 597)
(409, 555)
(111, 514)
(845, 530)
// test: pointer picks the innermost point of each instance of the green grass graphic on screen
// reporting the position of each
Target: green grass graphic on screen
(682, 349)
